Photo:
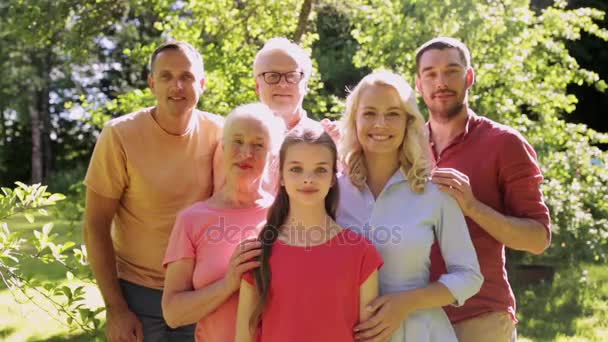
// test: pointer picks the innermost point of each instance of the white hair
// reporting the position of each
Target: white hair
(291, 49)
(264, 115)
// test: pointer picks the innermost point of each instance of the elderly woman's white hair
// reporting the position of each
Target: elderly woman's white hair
(414, 155)
(262, 113)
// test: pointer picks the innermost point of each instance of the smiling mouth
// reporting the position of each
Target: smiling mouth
(378, 137)
(176, 98)
(443, 95)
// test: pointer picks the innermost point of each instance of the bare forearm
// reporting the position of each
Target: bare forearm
(102, 259)
(517, 233)
(435, 295)
(187, 307)
(248, 299)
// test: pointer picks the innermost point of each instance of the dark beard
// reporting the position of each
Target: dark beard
(448, 114)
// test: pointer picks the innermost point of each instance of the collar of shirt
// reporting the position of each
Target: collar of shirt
(305, 122)
(469, 126)
(397, 177)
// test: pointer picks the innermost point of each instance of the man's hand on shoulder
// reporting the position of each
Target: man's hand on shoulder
(457, 185)
(332, 129)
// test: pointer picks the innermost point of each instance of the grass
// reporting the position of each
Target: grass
(574, 307)
(21, 320)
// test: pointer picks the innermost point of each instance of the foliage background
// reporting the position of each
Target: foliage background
(70, 65)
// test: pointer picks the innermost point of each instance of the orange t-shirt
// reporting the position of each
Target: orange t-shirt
(154, 174)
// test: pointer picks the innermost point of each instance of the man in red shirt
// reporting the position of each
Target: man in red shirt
(492, 171)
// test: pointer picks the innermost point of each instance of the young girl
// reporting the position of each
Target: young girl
(208, 251)
(315, 278)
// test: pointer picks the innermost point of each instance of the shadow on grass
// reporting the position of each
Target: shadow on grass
(64, 338)
(6, 332)
(547, 310)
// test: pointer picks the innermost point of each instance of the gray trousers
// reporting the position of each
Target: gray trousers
(146, 304)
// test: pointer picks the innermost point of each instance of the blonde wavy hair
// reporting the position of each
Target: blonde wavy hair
(414, 154)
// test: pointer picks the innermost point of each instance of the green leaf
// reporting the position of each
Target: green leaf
(46, 229)
(56, 197)
(29, 217)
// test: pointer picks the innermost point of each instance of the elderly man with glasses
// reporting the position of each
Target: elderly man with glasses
(282, 70)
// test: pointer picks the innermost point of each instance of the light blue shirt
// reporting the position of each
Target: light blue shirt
(403, 225)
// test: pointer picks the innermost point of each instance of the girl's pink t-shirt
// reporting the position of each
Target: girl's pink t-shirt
(314, 291)
(209, 236)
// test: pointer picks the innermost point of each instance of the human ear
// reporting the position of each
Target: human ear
(470, 77)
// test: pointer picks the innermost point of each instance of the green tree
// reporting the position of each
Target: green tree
(48, 39)
(228, 34)
(523, 70)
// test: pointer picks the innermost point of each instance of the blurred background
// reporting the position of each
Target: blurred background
(68, 66)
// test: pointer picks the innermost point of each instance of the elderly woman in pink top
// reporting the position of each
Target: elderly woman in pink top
(211, 245)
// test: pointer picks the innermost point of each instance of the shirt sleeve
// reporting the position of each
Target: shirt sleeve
(219, 174)
(107, 172)
(372, 261)
(520, 179)
(181, 244)
(463, 277)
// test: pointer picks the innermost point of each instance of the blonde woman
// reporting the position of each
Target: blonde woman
(386, 195)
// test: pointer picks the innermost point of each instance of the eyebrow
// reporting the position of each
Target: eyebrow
(238, 135)
(391, 108)
(449, 66)
(298, 162)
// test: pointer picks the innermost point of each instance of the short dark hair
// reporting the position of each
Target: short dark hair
(442, 43)
(178, 45)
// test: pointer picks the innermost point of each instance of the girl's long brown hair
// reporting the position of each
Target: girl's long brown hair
(278, 212)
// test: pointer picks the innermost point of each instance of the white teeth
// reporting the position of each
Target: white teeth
(380, 137)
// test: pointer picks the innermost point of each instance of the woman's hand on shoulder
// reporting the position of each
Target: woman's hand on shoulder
(389, 311)
(244, 259)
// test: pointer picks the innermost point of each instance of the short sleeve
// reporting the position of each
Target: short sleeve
(371, 261)
(107, 172)
(181, 245)
(219, 174)
(463, 278)
(520, 179)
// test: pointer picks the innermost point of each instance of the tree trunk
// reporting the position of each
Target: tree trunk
(45, 115)
(2, 127)
(37, 158)
(303, 20)
(40, 118)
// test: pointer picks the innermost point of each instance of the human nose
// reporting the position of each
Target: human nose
(380, 121)
(442, 81)
(246, 151)
(283, 80)
(308, 177)
(178, 83)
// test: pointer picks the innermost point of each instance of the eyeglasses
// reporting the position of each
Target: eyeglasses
(272, 77)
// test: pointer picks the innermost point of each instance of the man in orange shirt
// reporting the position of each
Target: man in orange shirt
(147, 166)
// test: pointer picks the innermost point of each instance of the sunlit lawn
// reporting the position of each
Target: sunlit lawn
(573, 308)
(21, 320)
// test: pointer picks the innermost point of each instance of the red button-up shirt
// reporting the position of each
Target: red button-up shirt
(504, 174)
